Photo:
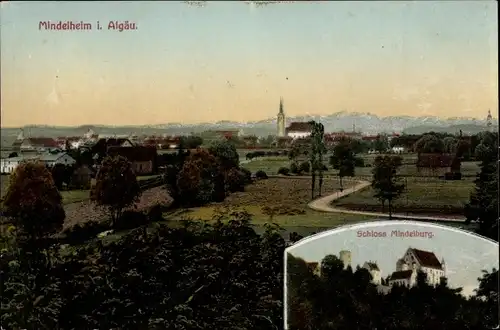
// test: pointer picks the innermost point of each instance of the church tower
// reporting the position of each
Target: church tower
(488, 120)
(281, 120)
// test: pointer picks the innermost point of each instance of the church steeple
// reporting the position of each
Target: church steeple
(489, 119)
(281, 119)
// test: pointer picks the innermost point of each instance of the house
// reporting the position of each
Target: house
(74, 142)
(35, 144)
(100, 148)
(437, 164)
(229, 134)
(299, 130)
(415, 260)
(8, 165)
(162, 142)
(143, 159)
(398, 150)
(57, 158)
(374, 271)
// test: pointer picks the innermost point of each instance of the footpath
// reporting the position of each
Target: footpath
(324, 204)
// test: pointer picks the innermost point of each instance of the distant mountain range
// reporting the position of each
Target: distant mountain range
(341, 121)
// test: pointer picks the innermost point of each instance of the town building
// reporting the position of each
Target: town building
(414, 261)
(299, 130)
(143, 159)
(345, 257)
(9, 165)
(34, 144)
(281, 120)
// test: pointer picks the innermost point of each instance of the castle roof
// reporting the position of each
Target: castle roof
(372, 266)
(401, 275)
(427, 259)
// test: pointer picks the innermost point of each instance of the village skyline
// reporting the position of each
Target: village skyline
(390, 59)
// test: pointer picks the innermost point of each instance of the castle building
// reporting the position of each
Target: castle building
(374, 271)
(345, 257)
(281, 120)
(413, 261)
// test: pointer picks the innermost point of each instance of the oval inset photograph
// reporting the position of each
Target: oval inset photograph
(392, 275)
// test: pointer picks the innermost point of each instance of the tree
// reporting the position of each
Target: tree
(429, 143)
(381, 144)
(58, 172)
(116, 186)
(385, 181)
(317, 146)
(13, 154)
(191, 141)
(226, 153)
(483, 203)
(450, 145)
(343, 159)
(33, 201)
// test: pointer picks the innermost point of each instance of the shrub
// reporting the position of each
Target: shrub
(305, 167)
(359, 162)
(284, 171)
(131, 219)
(81, 233)
(247, 175)
(235, 180)
(155, 213)
(294, 168)
(261, 175)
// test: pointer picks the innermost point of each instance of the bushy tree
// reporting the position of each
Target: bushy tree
(429, 143)
(226, 153)
(483, 204)
(343, 159)
(33, 201)
(385, 181)
(116, 186)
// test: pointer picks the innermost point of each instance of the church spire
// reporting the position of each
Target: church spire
(281, 106)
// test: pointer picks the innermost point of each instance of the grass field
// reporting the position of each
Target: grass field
(285, 195)
(271, 165)
(423, 196)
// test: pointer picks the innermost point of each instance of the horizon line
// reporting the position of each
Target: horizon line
(242, 122)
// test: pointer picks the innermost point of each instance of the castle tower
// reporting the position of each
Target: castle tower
(281, 120)
(488, 120)
(345, 257)
(444, 266)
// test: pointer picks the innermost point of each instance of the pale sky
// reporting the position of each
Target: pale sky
(465, 254)
(233, 61)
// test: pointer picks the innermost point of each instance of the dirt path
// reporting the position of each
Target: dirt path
(323, 204)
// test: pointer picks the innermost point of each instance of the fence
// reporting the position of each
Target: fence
(151, 183)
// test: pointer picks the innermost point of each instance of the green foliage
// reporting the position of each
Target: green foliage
(201, 276)
(385, 181)
(284, 171)
(33, 201)
(305, 167)
(226, 153)
(116, 186)
(430, 143)
(261, 175)
(294, 168)
(343, 159)
(341, 298)
(191, 141)
(483, 204)
(381, 144)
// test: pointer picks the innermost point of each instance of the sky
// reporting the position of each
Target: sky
(465, 254)
(233, 61)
